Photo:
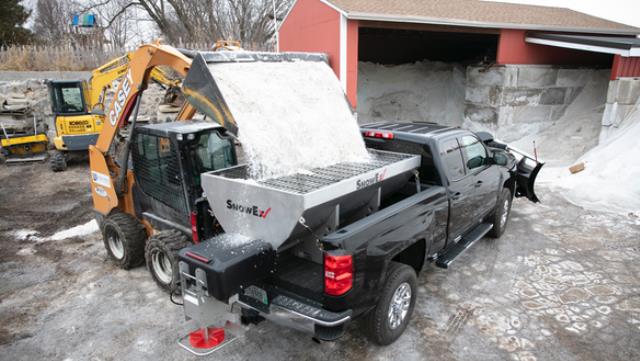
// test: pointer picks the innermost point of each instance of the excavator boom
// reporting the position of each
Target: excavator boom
(111, 181)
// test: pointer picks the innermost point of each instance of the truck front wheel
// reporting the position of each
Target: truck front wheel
(388, 320)
(161, 254)
(501, 214)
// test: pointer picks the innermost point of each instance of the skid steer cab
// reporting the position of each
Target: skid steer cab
(75, 127)
(170, 210)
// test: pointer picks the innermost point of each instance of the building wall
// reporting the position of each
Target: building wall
(314, 27)
(625, 67)
(352, 62)
(513, 49)
(518, 100)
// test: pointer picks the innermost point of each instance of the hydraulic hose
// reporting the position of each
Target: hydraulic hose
(124, 159)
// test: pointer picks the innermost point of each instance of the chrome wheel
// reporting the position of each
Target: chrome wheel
(115, 245)
(505, 213)
(399, 307)
(162, 266)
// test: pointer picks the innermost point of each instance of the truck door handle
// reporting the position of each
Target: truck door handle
(456, 196)
(478, 184)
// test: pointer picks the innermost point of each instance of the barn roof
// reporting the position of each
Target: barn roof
(475, 13)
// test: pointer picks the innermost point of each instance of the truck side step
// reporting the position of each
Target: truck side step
(452, 252)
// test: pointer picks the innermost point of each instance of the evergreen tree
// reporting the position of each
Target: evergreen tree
(12, 18)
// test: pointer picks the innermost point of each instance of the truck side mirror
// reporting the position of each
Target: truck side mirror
(499, 159)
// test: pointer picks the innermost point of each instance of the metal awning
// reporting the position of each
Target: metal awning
(623, 46)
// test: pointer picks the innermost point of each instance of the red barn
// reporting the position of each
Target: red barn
(493, 34)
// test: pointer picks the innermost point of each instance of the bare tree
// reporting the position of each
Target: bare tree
(52, 20)
(249, 21)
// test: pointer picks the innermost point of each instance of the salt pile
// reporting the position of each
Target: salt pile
(578, 129)
(291, 116)
(611, 179)
(421, 91)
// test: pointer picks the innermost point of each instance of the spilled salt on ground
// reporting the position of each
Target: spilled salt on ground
(291, 116)
(26, 234)
(77, 231)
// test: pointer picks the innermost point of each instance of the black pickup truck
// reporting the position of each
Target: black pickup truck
(367, 266)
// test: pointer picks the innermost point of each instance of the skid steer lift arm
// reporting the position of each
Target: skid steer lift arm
(108, 194)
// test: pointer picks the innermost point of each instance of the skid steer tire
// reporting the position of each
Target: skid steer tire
(124, 239)
(161, 254)
(58, 162)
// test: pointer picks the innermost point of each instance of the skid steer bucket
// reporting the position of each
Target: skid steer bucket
(202, 91)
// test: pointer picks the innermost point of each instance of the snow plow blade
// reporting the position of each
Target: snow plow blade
(202, 91)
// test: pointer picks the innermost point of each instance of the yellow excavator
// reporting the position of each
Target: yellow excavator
(79, 111)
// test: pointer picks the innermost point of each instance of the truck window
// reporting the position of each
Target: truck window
(474, 152)
(211, 152)
(452, 159)
(428, 172)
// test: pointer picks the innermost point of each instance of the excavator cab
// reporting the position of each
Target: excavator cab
(75, 127)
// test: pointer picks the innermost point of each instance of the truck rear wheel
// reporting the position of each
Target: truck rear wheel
(161, 254)
(388, 320)
(58, 161)
(124, 239)
(501, 214)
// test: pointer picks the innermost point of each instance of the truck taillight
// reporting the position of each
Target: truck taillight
(194, 227)
(377, 134)
(338, 274)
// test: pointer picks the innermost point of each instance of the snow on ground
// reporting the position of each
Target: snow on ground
(290, 115)
(611, 179)
(422, 91)
(76, 231)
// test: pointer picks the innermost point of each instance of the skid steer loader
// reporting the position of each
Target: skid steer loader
(146, 189)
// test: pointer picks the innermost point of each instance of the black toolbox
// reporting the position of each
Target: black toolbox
(228, 268)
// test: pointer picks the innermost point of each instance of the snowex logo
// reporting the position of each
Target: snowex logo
(378, 177)
(120, 99)
(248, 209)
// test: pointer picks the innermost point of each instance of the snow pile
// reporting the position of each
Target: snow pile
(611, 179)
(577, 130)
(291, 116)
(77, 231)
(422, 91)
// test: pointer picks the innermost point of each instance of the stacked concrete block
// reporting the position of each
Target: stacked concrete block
(622, 97)
(515, 100)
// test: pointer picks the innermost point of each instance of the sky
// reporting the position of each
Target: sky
(622, 11)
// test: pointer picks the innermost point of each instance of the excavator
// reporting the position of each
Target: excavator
(145, 178)
(78, 107)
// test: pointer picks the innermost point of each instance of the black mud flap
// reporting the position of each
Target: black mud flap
(526, 172)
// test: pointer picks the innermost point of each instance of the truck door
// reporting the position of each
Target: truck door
(485, 178)
(459, 187)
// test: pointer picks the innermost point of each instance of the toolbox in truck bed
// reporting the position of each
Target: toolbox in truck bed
(227, 267)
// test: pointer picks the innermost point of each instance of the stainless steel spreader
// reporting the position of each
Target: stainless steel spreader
(277, 209)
